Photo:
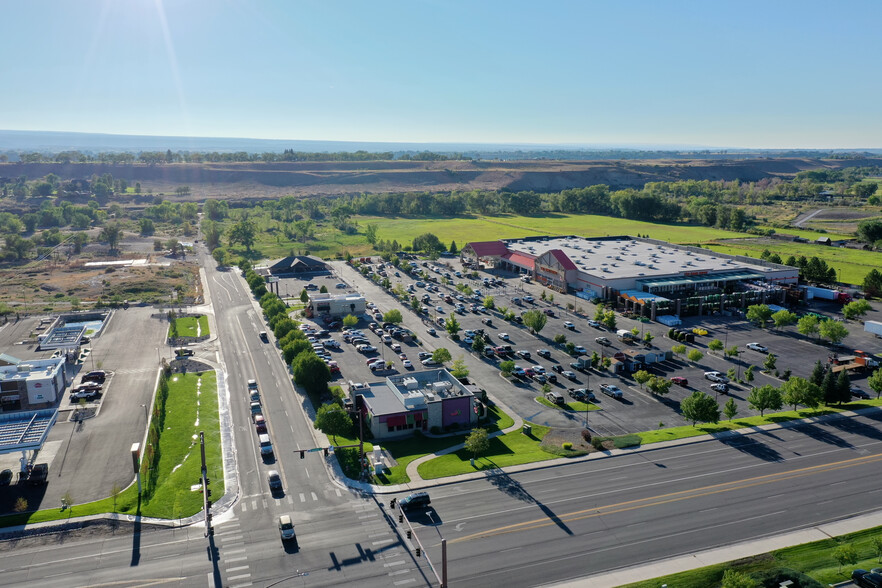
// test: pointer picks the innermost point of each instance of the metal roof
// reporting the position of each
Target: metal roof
(684, 280)
(22, 431)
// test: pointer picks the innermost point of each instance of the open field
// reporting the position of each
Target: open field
(851, 264)
(190, 326)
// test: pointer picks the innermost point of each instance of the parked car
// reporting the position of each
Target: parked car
(716, 377)
(95, 376)
(757, 347)
(523, 353)
(581, 394)
(366, 348)
(602, 341)
(720, 388)
(504, 336)
(612, 391)
(5, 477)
(84, 394)
(88, 387)
(680, 381)
(558, 368)
(555, 397)
(424, 355)
(529, 299)
(569, 325)
(430, 362)
(568, 374)
(544, 353)
(431, 331)
(579, 350)
(858, 393)
(39, 474)
(595, 324)
(259, 424)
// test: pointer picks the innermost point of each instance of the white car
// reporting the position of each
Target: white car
(430, 362)
(407, 365)
(716, 377)
(569, 325)
(757, 347)
(579, 350)
(366, 348)
(538, 369)
(504, 336)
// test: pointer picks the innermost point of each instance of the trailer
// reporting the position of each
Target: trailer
(874, 327)
(812, 292)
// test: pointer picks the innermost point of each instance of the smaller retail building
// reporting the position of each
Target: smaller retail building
(34, 382)
(417, 401)
(334, 305)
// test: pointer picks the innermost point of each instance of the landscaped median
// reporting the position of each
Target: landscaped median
(185, 405)
(188, 326)
(571, 406)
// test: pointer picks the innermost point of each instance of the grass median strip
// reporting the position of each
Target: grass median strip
(812, 559)
(189, 326)
(571, 406)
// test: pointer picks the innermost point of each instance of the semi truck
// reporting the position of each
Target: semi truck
(874, 327)
(859, 360)
(812, 292)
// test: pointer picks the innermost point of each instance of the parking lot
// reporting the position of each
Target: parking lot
(638, 410)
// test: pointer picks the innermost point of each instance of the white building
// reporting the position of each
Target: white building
(335, 305)
(38, 381)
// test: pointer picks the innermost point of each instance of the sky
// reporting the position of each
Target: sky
(752, 74)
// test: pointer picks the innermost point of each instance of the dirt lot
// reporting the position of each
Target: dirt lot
(257, 180)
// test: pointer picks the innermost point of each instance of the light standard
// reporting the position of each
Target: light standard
(587, 392)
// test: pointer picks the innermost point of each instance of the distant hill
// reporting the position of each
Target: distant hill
(12, 142)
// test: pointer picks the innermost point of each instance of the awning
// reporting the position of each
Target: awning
(703, 279)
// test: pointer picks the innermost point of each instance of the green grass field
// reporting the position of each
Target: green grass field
(173, 497)
(571, 406)
(190, 326)
(852, 264)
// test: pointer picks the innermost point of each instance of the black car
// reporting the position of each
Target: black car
(5, 477)
(866, 579)
(558, 368)
(415, 500)
(552, 379)
(858, 393)
(95, 376)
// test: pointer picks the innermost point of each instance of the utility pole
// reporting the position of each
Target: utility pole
(206, 491)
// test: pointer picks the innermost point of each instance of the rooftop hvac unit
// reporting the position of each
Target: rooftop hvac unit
(442, 385)
(410, 383)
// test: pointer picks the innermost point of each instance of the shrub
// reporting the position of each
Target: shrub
(597, 443)
(586, 435)
(568, 446)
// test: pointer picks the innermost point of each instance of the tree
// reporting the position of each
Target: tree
(323, 289)
(715, 345)
(16, 247)
(843, 387)
(648, 337)
(876, 542)
(304, 296)
(733, 579)
(243, 232)
(310, 372)
(570, 347)
(731, 373)
(641, 377)
(765, 398)
(606, 362)
(211, 233)
(293, 348)
(441, 355)
(694, 355)
(875, 383)
(147, 227)
(855, 309)
(759, 314)
(506, 367)
(370, 233)
(817, 377)
(350, 320)
(783, 318)
(451, 325)
(609, 320)
(832, 330)
(428, 243)
(870, 230)
(393, 316)
(845, 555)
(332, 420)
(478, 345)
(477, 442)
(560, 339)
(798, 391)
(770, 362)
(678, 350)
(453, 248)
(700, 407)
(731, 409)
(459, 369)
(111, 234)
(808, 325)
(535, 320)
(595, 359)
(220, 256)
(659, 386)
(733, 352)
(829, 388)
(489, 304)
(873, 283)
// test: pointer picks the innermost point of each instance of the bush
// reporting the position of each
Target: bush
(597, 443)
(568, 446)
(586, 435)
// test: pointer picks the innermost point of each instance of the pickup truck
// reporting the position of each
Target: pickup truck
(39, 474)
(87, 394)
(612, 391)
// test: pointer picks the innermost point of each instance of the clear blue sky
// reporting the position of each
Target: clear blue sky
(767, 73)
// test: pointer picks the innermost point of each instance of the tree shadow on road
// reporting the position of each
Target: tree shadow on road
(514, 489)
(821, 434)
(751, 446)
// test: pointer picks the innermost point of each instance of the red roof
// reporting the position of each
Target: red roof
(488, 248)
(521, 259)
(562, 259)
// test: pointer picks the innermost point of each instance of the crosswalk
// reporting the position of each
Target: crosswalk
(388, 549)
(231, 543)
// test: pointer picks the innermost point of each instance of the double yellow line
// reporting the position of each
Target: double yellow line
(673, 497)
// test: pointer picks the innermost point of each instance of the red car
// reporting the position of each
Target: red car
(680, 381)
(260, 423)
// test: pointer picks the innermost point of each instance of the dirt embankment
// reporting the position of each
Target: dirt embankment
(251, 180)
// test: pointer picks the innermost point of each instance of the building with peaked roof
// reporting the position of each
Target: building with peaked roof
(415, 401)
(296, 264)
(606, 267)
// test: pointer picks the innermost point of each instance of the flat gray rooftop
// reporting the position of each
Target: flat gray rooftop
(628, 258)
(25, 431)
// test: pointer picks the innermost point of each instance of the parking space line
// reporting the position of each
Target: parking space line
(314, 497)
(236, 569)
(235, 559)
(302, 497)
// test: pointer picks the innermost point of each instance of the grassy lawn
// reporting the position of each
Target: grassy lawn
(172, 497)
(754, 421)
(190, 326)
(464, 229)
(510, 449)
(852, 264)
(188, 411)
(571, 406)
(813, 559)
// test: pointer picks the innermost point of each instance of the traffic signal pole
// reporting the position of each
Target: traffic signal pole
(206, 491)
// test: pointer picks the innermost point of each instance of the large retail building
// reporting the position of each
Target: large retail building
(647, 272)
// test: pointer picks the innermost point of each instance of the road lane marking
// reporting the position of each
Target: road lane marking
(239, 577)
(398, 572)
(236, 569)
(402, 582)
(671, 497)
(337, 491)
(302, 497)
(314, 497)
(233, 551)
(393, 563)
(235, 559)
